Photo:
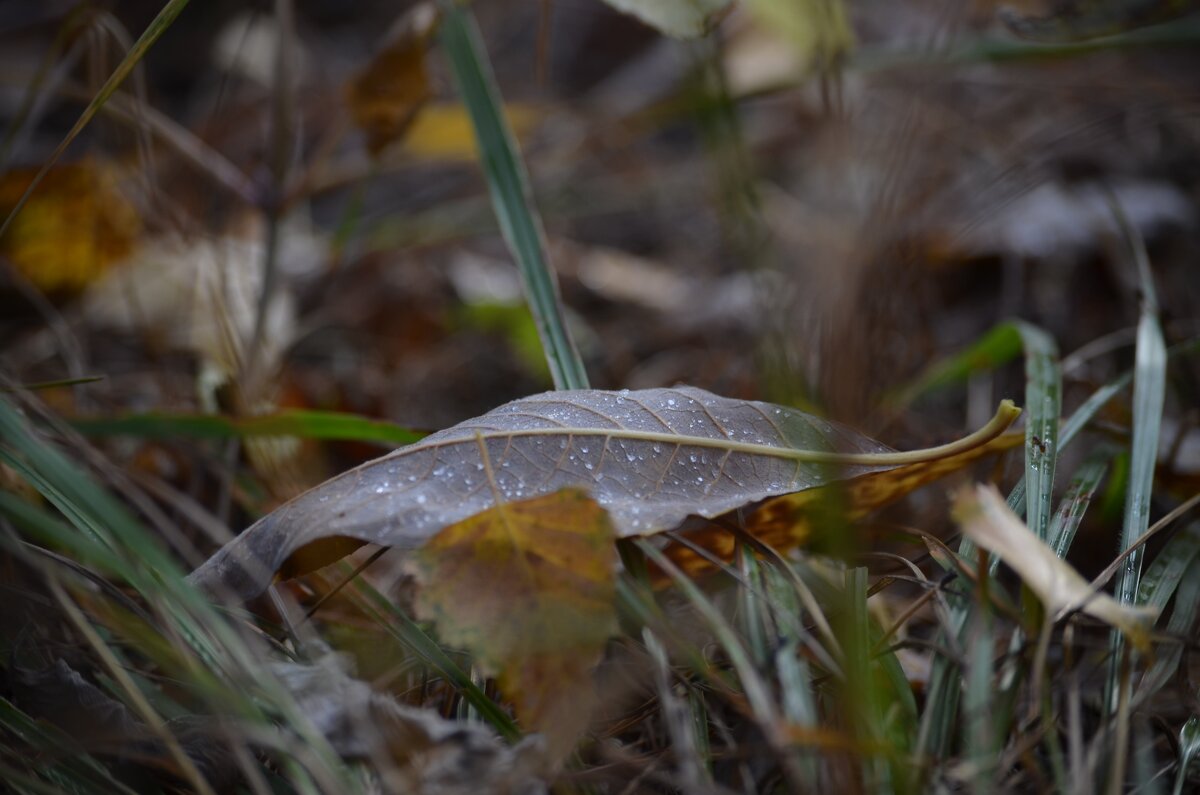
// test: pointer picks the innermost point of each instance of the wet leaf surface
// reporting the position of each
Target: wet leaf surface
(650, 458)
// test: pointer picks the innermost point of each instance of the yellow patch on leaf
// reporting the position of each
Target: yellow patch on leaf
(75, 225)
(444, 131)
(529, 589)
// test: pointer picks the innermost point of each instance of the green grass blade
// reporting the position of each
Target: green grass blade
(105, 533)
(757, 695)
(304, 424)
(1149, 389)
(1165, 573)
(512, 198)
(1189, 750)
(999, 346)
(1164, 578)
(1149, 394)
(79, 768)
(153, 31)
(404, 629)
(1077, 499)
(1043, 404)
(1032, 496)
(980, 741)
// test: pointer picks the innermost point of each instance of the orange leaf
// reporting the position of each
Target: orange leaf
(785, 522)
(528, 588)
(72, 229)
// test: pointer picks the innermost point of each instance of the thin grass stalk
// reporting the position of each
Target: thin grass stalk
(381, 610)
(47, 76)
(1074, 503)
(283, 122)
(83, 769)
(1185, 585)
(111, 534)
(153, 31)
(115, 669)
(512, 197)
(692, 772)
(762, 707)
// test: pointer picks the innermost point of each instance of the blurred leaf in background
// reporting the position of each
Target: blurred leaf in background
(387, 94)
(74, 228)
(818, 29)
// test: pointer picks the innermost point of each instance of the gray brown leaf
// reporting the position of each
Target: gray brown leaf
(651, 458)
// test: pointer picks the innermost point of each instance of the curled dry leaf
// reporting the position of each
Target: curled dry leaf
(650, 458)
(529, 588)
(416, 750)
(986, 519)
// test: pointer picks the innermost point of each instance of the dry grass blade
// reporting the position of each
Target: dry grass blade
(154, 30)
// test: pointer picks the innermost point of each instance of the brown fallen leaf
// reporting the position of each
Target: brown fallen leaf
(420, 750)
(529, 589)
(387, 94)
(650, 458)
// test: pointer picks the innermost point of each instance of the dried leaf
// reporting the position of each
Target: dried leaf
(528, 588)
(683, 19)
(651, 458)
(426, 752)
(201, 294)
(386, 95)
(73, 228)
(989, 522)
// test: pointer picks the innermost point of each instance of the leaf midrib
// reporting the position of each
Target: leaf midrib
(1005, 414)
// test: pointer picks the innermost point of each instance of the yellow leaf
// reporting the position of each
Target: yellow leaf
(73, 228)
(387, 94)
(986, 519)
(528, 588)
(445, 132)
